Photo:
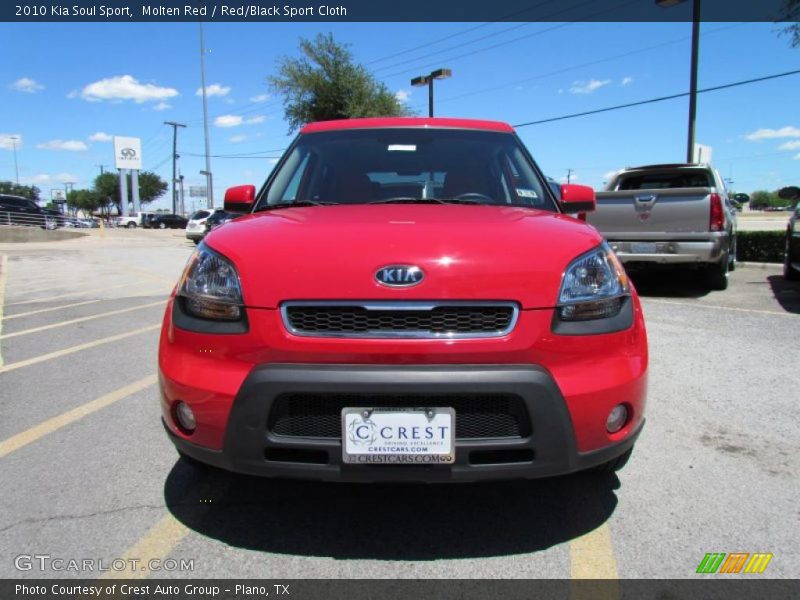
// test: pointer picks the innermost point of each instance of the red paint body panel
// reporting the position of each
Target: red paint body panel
(466, 252)
(373, 123)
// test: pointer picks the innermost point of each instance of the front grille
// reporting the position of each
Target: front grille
(477, 415)
(408, 319)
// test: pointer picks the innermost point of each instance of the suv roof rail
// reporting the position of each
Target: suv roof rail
(667, 166)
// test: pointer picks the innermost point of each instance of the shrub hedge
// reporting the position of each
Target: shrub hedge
(760, 246)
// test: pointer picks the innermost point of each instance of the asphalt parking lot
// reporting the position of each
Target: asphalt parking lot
(88, 473)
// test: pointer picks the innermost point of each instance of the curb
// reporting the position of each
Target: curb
(760, 265)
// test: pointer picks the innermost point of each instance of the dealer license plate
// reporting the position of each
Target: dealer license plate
(385, 436)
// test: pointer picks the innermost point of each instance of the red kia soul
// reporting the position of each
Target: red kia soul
(408, 300)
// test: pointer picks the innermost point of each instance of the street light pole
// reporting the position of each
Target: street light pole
(14, 145)
(693, 71)
(693, 80)
(174, 126)
(209, 190)
(428, 80)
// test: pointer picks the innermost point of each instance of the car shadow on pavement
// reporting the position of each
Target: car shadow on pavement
(787, 293)
(389, 522)
(669, 282)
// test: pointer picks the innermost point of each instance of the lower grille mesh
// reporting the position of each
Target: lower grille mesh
(477, 415)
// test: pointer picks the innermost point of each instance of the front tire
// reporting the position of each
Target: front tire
(131, 226)
(615, 464)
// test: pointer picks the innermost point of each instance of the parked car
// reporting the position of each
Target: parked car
(87, 223)
(220, 217)
(167, 221)
(677, 214)
(132, 221)
(196, 227)
(413, 303)
(16, 210)
(791, 261)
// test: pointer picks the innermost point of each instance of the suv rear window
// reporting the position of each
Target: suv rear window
(200, 214)
(665, 180)
(374, 165)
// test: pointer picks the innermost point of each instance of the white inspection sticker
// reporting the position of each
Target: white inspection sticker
(526, 193)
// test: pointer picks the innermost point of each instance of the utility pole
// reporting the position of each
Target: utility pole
(209, 189)
(569, 175)
(174, 126)
(102, 168)
(14, 140)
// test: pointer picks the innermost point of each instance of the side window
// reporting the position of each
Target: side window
(294, 183)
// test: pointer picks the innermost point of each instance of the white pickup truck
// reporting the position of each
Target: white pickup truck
(670, 214)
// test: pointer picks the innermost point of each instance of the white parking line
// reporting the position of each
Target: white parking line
(82, 319)
(80, 293)
(3, 277)
(152, 292)
(720, 307)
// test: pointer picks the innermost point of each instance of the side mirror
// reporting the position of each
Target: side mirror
(791, 192)
(577, 198)
(240, 198)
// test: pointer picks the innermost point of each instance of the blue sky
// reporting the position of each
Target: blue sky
(70, 86)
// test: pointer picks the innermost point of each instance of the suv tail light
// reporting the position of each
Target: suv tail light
(717, 218)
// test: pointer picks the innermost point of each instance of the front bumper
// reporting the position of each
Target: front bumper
(548, 447)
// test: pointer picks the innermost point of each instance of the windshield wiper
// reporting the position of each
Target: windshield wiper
(294, 203)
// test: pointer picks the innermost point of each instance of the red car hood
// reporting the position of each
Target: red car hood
(465, 252)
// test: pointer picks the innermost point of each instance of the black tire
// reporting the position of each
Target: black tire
(615, 464)
(789, 274)
(196, 241)
(732, 256)
(196, 464)
(130, 226)
(716, 275)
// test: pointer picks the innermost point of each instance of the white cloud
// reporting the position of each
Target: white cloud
(794, 145)
(274, 161)
(228, 121)
(39, 178)
(797, 157)
(609, 175)
(66, 177)
(572, 178)
(236, 120)
(768, 134)
(587, 87)
(259, 99)
(214, 89)
(162, 106)
(71, 145)
(126, 87)
(100, 136)
(238, 138)
(626, 81)
(6, 143)
(27, 85)
(402, 95)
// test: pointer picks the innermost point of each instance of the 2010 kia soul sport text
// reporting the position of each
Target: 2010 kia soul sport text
(407, 301)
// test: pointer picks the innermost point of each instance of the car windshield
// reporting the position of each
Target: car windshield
(418, 165)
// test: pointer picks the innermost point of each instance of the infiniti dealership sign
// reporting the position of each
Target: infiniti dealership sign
(127, 152)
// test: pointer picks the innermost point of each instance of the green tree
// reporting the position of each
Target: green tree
(89, 201)
(791, 13)
(14, 189)
(763, 199)
(151, 187)
(325, 84)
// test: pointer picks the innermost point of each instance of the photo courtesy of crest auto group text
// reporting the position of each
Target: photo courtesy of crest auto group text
(417, 300)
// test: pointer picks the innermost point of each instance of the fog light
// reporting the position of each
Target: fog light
(185, 417)
(617, 418)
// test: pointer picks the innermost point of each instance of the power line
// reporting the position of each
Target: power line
(580, 66)
(659, 99)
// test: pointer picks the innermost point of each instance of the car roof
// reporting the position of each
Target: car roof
(403, 122)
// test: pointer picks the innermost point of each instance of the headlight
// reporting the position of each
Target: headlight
(210, 287)
(594, 286)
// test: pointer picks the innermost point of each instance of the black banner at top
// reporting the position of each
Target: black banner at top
(391, 10)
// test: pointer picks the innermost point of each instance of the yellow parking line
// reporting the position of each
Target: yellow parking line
(39, 431)
(66, 351)
(720, 307)
(157, 543)
(82, 303)
(82, 292)
(162, 538)
(3, 277)
(592, 555)
(81, 319)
